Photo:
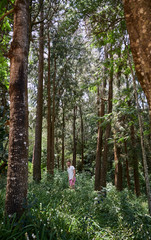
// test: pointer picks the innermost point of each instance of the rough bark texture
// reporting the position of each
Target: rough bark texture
(138, 20)
(17, 175)
(38, 131)
(74, 136)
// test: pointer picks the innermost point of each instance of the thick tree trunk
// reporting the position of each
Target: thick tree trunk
(38, 130)
(74, 136)
(138, 21)
(49, 147)
(63, 132)
(17, 175)
(135, 162)
(82, 138)
(107, 133)
(99, 141)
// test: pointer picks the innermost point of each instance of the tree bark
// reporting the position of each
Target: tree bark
(17, 175)
(53, 120)
(117, 148)
(107, 132)
(74, 136)
(63, 132)
(127, 166)
(49, 147)
(139, 28)
(98, 102)
(57, 153)
(82, 138)
(38, 130)
(118, 168)
(135, 162)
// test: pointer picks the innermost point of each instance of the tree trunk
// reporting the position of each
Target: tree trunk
(38, 130)
(98, 102)
(107, 132)
(74, 136)
(99, 142)
(49, 147)
(127, 166)
(82, 138)
(17, 175)
(53, 121)
(135, 162)
(118, 168)
(57, 153)
(63, 131)
(117, 147)
(138, 21)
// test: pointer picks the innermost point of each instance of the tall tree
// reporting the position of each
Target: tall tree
(63, 135)
(49, 147)
(107, 130)
(139, 28)
(127, 165)
(53, 119)
(82, 136)
(135, 162)
(118, 166)
(100, 139)
(38, 130)
(118, 123)
(16, 192)
(74, 136)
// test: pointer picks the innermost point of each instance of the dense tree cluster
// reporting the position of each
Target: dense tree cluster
(79, 90)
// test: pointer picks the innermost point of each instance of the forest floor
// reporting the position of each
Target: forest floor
(58, 213)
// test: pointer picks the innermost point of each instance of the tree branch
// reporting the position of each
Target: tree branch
(6, 14)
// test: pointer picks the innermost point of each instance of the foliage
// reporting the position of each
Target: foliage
(4, 122)
(56, 212)
(6, 27)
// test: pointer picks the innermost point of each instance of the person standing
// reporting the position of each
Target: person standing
(71, 174)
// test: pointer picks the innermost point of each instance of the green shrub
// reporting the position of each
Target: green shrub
(56, 212)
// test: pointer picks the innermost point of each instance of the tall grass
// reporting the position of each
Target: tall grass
(56, 212)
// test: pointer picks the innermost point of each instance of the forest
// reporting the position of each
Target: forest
(75, 93)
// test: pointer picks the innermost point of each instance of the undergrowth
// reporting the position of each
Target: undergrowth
(56, 212)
